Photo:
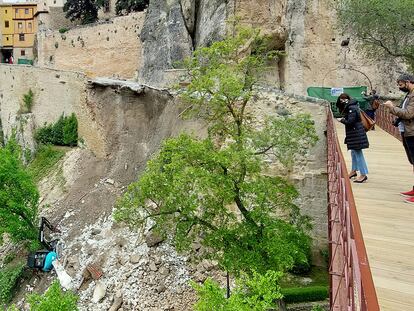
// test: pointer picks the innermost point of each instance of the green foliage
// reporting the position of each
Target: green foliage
(9, 277)
(45, 158)
(70, 131)
(86, 11)
(63, 30)
(304, 294)
(62, 133)
(18, 196)
(27, 102)
(124, 7)
(213, 190)
(317, 308)
(252, 293)
(55, 299)
(383, 28)
(9, 258)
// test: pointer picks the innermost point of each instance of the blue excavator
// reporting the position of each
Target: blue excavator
(42, 259)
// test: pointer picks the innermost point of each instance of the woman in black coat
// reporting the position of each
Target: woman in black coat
(356, 138)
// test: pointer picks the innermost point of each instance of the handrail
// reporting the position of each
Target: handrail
(384, 120)
(351, 283)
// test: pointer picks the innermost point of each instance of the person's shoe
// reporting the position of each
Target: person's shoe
(353, 175)
(409, 200)
(360, 181)
(408, 193)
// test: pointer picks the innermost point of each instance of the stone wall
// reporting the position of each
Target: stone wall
(55, 93)
(107, 49)
(55, 19)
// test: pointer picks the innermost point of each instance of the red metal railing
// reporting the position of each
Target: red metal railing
(384, 120)
(351, 284)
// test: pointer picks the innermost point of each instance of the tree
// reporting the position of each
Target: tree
(84, 10)
(214, 190)
(127, 6)
(383, 28)
(252, 293)
(18, 196)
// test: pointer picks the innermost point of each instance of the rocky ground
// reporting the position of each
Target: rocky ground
(139, 270)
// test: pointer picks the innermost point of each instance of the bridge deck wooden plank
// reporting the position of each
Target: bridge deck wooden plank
(387, 222)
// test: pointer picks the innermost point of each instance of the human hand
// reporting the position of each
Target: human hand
(388, 104)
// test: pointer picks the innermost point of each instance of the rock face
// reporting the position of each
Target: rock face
(268, 15)
(165, 40)
(173, 28)
(211, 21)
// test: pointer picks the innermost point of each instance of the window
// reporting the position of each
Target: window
(7, 38)
(20, 25)
(21, 37)
(26, 11)
(30, 26)
(6, 11)
(6, 24)
(22, 52)
(17, 11)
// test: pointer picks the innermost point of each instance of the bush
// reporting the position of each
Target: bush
(27, 102)
(252, 293)
(304, 294)
(9, 278)
(55, 299)
(63, 30)
(70, 131)
(45, 158)
(63, 133)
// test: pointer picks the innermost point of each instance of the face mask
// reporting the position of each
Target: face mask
(404, 89)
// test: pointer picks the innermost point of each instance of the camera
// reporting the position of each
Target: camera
(396, 122)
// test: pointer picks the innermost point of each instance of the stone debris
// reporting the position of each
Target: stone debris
(110, 181)
(153, 239)
(117, 304)
(135, 276)
(99, 292)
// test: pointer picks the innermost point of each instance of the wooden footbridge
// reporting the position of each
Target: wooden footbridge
(371, 227)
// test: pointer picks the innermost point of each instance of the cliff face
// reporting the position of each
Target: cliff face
(306, 30)
(173, 28)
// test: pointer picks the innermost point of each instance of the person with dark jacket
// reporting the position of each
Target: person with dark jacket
(355, 136)
(372, 99)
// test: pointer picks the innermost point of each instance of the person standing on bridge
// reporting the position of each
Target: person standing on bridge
(405, 121)
(355, 136)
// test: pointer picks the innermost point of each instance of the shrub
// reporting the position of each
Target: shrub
(63, 30)
(45, 158)
(257, 293)
(55, 299)
(9, 278)
(27, 102)
(62, 133)
(304, 294)
(70, 131)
